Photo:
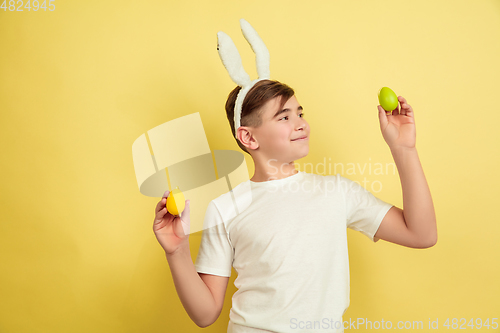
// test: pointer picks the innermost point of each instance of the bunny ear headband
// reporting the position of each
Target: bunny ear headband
(232, 61)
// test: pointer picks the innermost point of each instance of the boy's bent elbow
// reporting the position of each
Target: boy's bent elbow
(206, 323)
(430, 242)
(202, 325)
(433, 240)
(207, 319)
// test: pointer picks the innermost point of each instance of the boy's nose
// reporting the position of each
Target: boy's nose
(301, 124)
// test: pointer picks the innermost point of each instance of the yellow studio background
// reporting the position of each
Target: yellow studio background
(79, 84)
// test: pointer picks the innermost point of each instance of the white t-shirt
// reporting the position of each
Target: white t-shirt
(289, 248)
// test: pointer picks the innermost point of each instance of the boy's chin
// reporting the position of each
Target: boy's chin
(301, 155)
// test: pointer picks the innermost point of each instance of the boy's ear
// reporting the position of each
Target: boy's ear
(246, 137)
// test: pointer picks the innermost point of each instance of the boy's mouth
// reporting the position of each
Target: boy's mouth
(302, 138)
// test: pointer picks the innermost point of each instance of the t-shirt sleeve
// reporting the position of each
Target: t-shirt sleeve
(215, 255)
(364, 211)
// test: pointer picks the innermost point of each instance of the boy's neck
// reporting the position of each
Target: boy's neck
(273, 171)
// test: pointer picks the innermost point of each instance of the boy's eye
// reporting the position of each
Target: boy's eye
(302, 114)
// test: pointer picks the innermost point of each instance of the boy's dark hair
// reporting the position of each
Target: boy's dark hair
(257, 96)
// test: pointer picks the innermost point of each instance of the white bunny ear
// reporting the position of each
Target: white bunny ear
(259, 48)
(231, 59)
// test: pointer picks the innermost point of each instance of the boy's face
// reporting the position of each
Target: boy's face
(280, 128)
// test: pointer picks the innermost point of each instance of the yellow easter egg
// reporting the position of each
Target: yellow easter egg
(175, 202)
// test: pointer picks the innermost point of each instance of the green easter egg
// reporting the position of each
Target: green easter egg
(388, 99)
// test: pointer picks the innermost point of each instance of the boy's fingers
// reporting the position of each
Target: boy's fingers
(160, 205)
(382, 116)
(162, 202)
(160, 215)
(186, 219)
(185, 216)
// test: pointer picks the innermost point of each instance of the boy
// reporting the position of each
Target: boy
(289, 246)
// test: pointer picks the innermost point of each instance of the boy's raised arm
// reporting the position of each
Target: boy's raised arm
(418, 215)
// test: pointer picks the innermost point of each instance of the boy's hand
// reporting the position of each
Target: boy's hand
(398, 127)
(171, 231)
